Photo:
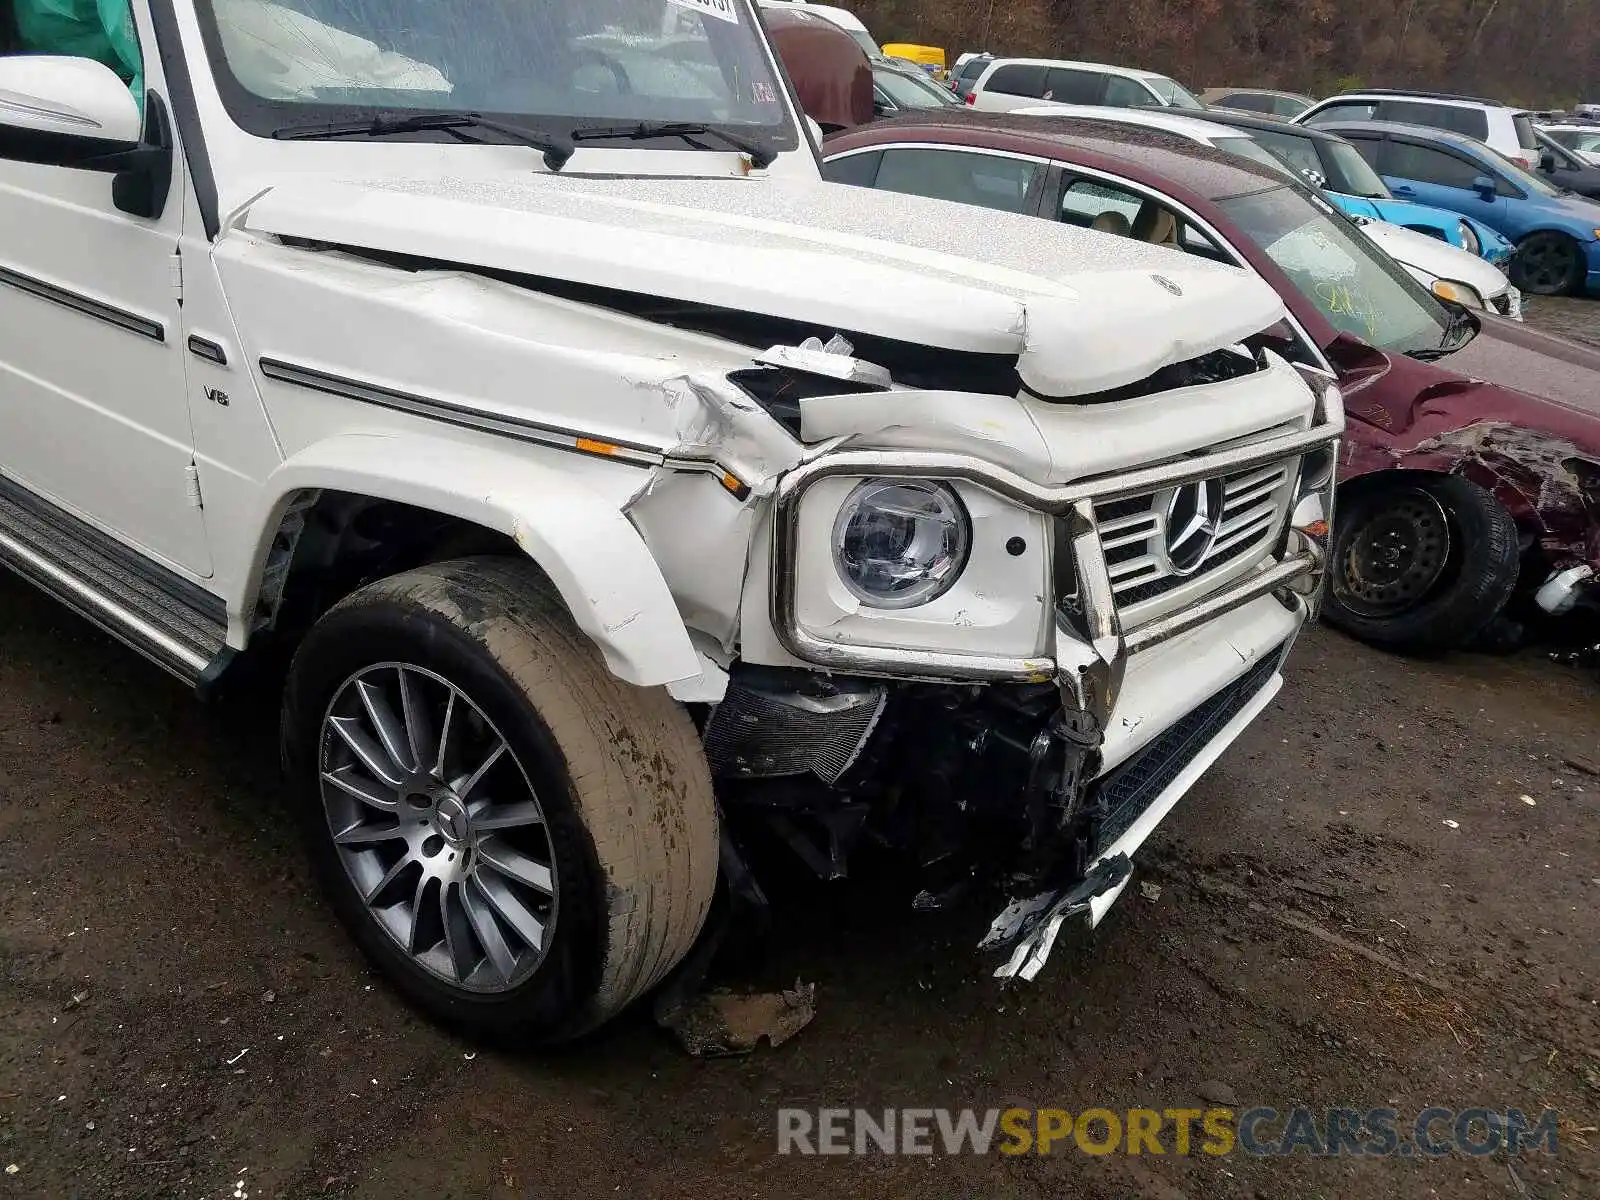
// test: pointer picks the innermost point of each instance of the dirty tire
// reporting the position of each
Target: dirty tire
(1548, 264)
(1472, 586)
(618, 771)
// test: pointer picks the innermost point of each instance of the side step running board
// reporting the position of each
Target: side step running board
(163, 616)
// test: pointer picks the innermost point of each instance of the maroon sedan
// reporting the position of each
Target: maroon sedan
(1456, 488)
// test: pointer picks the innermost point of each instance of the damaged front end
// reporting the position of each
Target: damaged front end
(1113, 633)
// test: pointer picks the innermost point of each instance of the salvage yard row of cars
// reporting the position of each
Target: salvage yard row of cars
(617, 467)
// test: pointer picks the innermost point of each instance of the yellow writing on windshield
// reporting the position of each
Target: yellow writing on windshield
(1340, 300)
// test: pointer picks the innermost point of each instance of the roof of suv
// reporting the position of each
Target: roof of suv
(1458, 140)
(1103, 68)
(1434, 97)
(1152, 156)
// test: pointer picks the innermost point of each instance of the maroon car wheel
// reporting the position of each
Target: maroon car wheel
(1420, 563)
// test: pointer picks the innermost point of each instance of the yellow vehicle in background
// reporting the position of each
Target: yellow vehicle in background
(929, 58)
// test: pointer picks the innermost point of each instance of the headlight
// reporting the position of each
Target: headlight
(901, 543)
(1461, 293)
(1469, 240)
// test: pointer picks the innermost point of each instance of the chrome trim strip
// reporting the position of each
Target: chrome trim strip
(89, 307)
(634, 453)
(157, 645)
(1251, 587)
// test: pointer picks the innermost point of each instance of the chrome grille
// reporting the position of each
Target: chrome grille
(1134, 533)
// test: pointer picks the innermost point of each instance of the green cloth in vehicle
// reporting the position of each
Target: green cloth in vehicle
(98, 29)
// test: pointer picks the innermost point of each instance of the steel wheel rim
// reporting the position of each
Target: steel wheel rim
(438, 827)
(1396, 557)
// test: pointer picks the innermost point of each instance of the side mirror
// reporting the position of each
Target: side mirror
(63, 111)
(1547, 160)
(882, 108)
(76, 113)
(1484, 186)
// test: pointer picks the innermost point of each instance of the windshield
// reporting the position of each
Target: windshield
(1525, 180)
(908, 91)
(543, 64)
(1172, 93)
(1351, 174)
(864, 39)
(1355, 285)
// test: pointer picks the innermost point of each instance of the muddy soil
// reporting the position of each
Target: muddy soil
(1355, 907)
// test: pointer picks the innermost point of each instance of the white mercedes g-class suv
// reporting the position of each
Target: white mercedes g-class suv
(615, 481)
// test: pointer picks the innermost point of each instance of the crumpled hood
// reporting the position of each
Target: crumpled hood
(1080, 311)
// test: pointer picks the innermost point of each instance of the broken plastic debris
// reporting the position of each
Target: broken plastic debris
(238, 1056)
(12, 1168)
(1150, 891)
(1449, 824)
(1529, 801)
(717, 1024)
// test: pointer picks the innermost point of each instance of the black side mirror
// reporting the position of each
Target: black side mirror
(1547, 160)
(1484, 186)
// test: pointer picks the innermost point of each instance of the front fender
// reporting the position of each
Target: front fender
(569, 520)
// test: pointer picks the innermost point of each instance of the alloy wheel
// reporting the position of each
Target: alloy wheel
(1547, 265)
(438, 827)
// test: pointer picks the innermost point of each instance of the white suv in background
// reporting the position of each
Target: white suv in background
(1011, 83)
(1500, 127)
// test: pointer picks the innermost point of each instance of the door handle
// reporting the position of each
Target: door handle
(1404, 191)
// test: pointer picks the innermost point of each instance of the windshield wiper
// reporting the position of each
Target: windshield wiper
(760, 156)
(556, 149)
(1463, 327)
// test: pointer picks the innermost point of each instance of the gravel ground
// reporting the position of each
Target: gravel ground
(1356, 907)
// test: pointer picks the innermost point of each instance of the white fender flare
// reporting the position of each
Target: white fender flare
(569, 520)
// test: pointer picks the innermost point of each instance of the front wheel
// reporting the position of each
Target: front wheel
(1420, 564)
(1548, 264)
(522, 843)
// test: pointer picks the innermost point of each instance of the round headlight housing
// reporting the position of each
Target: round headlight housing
(1469, 240)
(898, 543)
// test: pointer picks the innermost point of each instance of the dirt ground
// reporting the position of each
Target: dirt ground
(1356, 907)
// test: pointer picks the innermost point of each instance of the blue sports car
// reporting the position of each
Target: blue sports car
(1557, 233)
(1330, 163)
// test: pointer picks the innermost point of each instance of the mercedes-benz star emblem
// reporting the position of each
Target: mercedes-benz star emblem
(1194, 518)
(1163, 281)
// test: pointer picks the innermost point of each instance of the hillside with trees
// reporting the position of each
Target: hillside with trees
(1535, 52)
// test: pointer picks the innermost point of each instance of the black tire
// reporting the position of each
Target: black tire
(1548, 264)
(629, 816)
(1435, 593)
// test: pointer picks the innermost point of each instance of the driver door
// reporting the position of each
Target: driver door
(93, 410)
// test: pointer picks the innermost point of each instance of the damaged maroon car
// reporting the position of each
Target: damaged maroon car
(1462, 487)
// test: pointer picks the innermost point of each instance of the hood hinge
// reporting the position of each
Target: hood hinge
(191, 486)
(177, 276)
